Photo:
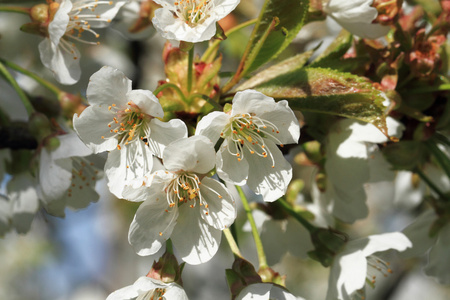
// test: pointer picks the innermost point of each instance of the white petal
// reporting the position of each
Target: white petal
(195, 241)
(64, 65)
(223, 7)
(353, 272)
(268, 178)
(141, 285)
(54, 176)
(352, 11)
(123, 166)
(91, 125)
(194, 154)
(221, 211)
(70, 145)
(24, 201)
(147, 102)
(251, 101)
(164, 133)
(265, 291)
(286, 122)
(439, 257)
(108, 86)
(228, 167)
(380, 242)
(152, 225)
(105, 12)
(212, 125)
(365, 30)
(58, 26)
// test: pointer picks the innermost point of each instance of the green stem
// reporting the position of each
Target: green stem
(190, 69)
(173, 86)
(431, 184)
(440, 156)
(258, 243)
(296, 216)
(26, 102)
(211, 49)
(234, 247)
(15, 9)
(53, 88)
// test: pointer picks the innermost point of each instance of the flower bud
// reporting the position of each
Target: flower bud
(327, 243)
(40, 13)
(52, 143)
(39, 126)
(388, 11)
(166, 269)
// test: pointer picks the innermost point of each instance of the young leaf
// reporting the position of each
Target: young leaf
(331, 92)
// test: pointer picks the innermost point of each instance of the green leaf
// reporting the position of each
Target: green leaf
(291, 15)
(288, 65)
(330, 92)
(335, 50)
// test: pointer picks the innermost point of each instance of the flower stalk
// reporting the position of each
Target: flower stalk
(26, 102)
(251, 220)
(233, 245)
(15, 9)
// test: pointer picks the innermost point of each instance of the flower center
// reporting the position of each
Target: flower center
(193, 12)
(156, 294)
(129, 124)
(375, 267)
(184, 188)
(249, 132)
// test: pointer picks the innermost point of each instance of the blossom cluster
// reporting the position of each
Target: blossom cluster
(191, 153)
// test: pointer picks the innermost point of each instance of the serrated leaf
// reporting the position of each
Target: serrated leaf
(335, 50)
(288, 65)
(330, 92)
(291, 15)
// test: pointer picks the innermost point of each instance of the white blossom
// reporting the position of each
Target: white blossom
(251, 132)
(190, 20)
(356, 16)
(182, 203)
(146, 288)
(71, 19)
(124, 122)
(356, 265)
(265, 291)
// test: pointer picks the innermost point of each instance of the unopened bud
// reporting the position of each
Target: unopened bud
(166, 269)
(52, 143)
(388, 11)
(40, 13)
(40, 126)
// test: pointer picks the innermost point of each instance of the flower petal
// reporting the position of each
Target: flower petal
(228, 167)
(221, 211)
(439, 257)
(147, 102)
(164, 133)
(195, 241)
(194, 154)
(152, 224)
(123, 166)
(212, 125)
(108, 86)
(65, 65)
(269, 176)
(24, 200)
(380, 242)
(141, 285)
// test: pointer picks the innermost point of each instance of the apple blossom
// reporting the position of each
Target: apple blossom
(356, 16)
(190, 20)
(356, 265)
(182, 203)
(251, 131)
(149, 288)
(124, 122)
(67, 21)
(265, 291)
